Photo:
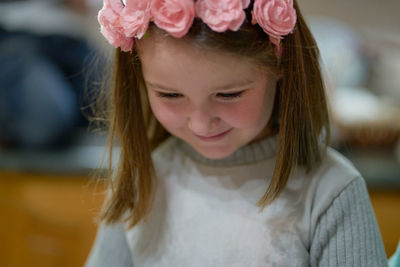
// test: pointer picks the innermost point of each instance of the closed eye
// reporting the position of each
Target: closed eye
(225, 96)
(230, 95)
(168, 95)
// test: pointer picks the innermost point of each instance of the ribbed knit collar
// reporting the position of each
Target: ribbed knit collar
(250, 153)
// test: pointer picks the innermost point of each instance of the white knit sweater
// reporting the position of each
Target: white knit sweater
(205, 214)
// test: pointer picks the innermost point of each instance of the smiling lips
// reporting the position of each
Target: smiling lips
(214, 137)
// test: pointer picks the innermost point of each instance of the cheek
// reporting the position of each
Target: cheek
(169, 115)
(249, 113)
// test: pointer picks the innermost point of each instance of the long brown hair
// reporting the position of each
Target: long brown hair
(300, 115)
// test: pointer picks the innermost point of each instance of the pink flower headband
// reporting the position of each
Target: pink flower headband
(122, 22)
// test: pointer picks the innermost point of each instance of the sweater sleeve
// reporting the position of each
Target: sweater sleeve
(347, 234)
(110, 248)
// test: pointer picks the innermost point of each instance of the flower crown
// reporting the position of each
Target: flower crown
(122, 22)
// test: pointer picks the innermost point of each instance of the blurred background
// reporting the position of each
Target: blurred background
(51, 59)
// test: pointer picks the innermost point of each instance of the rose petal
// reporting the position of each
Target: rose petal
(221, 15)
(173, 16)
(276, 17)
(135, 18)
(110, 27)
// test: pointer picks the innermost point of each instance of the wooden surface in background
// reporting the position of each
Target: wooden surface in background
(49, 220)
(387, 211)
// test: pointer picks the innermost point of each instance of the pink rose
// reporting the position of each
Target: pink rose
(276, 17)
(135, 18)
(173, 16)
(221, 15)
(110, 27)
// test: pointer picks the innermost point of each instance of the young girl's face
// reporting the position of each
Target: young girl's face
(214, 101)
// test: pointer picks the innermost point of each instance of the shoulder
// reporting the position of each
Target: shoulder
(343, 221)
(334, 174)
(315, 191)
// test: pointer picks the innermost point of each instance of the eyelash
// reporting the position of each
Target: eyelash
(231, 95)
(226, 96)
(168, 95)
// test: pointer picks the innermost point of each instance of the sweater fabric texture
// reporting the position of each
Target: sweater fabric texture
(205, 214)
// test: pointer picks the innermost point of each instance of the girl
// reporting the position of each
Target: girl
(220, 112)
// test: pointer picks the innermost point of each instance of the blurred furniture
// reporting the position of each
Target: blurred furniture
(386, 206)
(47, 220)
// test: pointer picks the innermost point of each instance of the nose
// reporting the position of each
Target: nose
(202, 121)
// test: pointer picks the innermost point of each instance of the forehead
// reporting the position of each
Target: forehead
(178, 62)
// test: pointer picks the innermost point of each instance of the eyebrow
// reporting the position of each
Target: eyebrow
(218, 88)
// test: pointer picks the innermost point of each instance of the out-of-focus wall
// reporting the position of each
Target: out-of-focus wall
(367, 16)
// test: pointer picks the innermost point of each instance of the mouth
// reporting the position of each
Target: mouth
(214, 137)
